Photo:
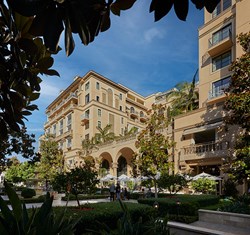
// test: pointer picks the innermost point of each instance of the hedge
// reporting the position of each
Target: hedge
(93, 215)
(83, 197)
(181, 204)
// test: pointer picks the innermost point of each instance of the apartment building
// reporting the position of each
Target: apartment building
(94, 101)
(203, 142)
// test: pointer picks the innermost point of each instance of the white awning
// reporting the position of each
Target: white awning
(202, 128)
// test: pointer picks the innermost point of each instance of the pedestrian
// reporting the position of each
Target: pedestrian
(125, 194)
(118, 190)
(112, 192)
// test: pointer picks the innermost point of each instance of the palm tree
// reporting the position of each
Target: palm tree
(88, 146)
(104, 134)
(184, 98)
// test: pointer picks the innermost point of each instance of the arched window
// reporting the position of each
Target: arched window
(122, 166)
(141, 114)
(132, 110)
(105, 164)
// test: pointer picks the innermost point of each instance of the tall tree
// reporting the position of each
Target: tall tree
(23, 58)
(51, 160)
(152, 157)
(238, 106)
(19, 143)
(183, 98)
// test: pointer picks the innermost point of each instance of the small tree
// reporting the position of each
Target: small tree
(204, 185)
(51, 161)
(238, 106)
(20, 172)
(173, 183)
(81, 179)
(153, 146)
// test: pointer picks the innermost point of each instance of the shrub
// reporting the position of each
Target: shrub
(41, 220)
(28, 193)
(230, 188)
(105, 213)
(72, 197)
(236, 207)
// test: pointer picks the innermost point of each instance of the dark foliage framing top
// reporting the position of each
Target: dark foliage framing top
(89, 17)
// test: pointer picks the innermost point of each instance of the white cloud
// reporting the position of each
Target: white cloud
(152, 34)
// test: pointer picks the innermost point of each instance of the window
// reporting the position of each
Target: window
(222, 6)
(132, 110)
(87, 98)
(141, 114)
(99, 112)
(54, 129)
(69, 142)
(122, 120)
(97, 85)
(97, 98)
(87, 114)
(120, 96)
(69, 122)
(86, 86)
(60, 145)
(87, 137)
(122, 131)
(61, 127)
(220, 35)
(221, 61)
(120, 108)
(87, 126)
(99, 124)
(218, 87)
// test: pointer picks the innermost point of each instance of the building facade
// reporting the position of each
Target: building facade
(203, 142)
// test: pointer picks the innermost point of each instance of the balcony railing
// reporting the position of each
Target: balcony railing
(220, 36)
(218, 91)
(210, 147)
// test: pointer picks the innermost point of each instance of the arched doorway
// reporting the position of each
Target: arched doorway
(104, 169)
(122, 166)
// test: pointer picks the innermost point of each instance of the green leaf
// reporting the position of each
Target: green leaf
(105, 23)
(15, 202)
(34, 96)
(51, 72)
(28, 7)
(161, 8)
(115, 9)
(124, 4)
(68, 38)
(181, 9)
(45, 63)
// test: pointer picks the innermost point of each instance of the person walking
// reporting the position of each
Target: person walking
(118, 190)
(112, 192)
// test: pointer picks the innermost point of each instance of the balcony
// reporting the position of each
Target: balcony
(220, 43)
(134, 114)
(205, 150)
(218, 92)
(84, 118)
(143, 118)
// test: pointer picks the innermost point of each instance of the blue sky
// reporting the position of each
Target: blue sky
(143, 55)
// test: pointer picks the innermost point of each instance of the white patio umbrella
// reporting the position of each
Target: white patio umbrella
(107, 178)
(124, 178)
(204, 175)
(141, 178)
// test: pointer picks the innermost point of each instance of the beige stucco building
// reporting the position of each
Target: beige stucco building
(202, 140)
